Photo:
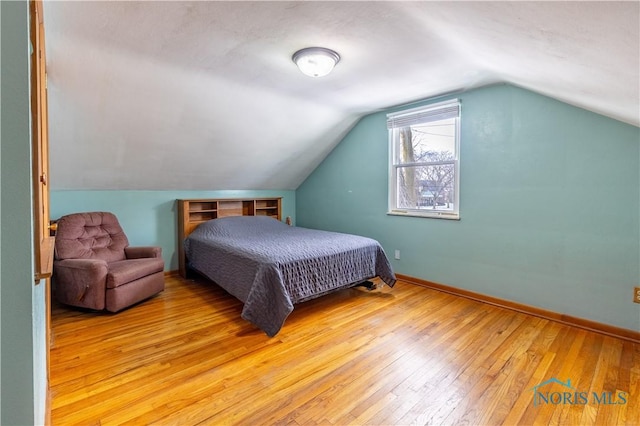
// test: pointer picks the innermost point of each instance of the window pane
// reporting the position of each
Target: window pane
(426, 187)
(429, 142)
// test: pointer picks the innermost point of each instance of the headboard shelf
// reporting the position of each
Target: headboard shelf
(193, 212)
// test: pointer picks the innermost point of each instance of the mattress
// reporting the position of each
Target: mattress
(271, 266)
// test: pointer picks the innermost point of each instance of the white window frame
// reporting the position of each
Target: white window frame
(424, 114)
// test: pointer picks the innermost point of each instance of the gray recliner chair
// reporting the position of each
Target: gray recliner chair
(95, 268)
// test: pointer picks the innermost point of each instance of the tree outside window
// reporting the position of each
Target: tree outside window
(424, 167)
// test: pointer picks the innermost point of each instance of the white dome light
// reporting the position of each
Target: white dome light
(316, 61)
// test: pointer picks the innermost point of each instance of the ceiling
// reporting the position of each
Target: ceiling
(204, 95)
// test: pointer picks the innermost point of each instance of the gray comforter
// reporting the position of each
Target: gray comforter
(271, 266)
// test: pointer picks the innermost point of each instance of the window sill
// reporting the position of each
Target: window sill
(428, 215)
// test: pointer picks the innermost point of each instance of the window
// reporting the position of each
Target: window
(424, 161)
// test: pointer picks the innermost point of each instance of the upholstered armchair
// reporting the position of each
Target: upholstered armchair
(95, 268)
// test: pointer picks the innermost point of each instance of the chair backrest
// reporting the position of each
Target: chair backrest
(93, 235)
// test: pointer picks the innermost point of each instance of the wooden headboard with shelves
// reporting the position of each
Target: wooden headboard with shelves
(193, 212)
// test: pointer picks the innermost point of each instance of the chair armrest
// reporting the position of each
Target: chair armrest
(77, 280)
(89, 266)
(142, 252)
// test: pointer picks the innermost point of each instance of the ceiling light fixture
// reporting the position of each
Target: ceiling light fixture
(315, 61)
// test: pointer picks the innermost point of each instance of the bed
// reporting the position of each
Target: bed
(271, 266)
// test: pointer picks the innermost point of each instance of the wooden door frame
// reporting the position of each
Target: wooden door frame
(43, 239)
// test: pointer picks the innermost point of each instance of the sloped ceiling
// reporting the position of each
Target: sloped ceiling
(204, 95)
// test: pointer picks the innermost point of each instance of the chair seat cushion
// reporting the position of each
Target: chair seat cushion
(125, 271)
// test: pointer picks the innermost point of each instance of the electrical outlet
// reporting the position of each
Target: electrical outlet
(397, 256)
(636, 294)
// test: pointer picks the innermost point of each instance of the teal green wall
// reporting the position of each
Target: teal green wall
(151, 217)
(549, 205)
(23, 350)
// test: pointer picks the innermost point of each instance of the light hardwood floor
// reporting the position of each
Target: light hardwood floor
(407, 355)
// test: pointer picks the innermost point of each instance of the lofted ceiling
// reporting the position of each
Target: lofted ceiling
(204, 95)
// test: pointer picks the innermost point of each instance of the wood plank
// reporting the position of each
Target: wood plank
(405, 355)
(622, 333)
